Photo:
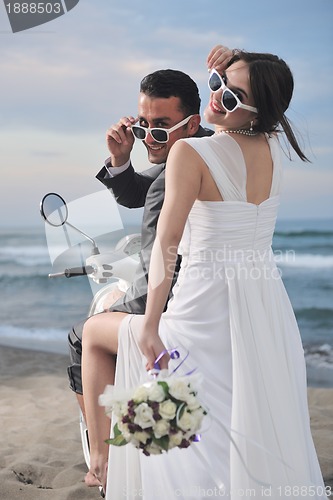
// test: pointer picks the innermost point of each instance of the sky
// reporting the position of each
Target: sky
(65, 82)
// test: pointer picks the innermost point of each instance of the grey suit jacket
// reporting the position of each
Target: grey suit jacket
(141, 189)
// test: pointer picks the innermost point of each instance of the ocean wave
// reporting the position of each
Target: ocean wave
(38, 256)
(37, 339)
(304, 233)
(8, 275)
(34, 255)
(35, 334)
(25, 256)
(318, 314)
(320, 356)
(293, 259)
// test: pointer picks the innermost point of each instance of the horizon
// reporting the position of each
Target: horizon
(289, 220)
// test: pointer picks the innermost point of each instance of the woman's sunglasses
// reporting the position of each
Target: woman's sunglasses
(229, 100)
(158, 134)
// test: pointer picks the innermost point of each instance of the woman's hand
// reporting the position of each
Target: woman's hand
(151, 347)
(218, 58)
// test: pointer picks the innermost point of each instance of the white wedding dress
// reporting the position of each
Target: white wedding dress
(231, 312)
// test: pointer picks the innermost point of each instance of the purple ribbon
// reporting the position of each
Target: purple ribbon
(174, 354)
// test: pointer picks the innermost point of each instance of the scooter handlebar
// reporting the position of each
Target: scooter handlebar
(73, 271)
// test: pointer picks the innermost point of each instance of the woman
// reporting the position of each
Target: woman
(230, 310)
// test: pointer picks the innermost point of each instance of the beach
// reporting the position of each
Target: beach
(41, 456)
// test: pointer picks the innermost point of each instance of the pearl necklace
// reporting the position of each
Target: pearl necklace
(239, 131)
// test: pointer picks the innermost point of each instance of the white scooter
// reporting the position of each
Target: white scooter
(117, 268)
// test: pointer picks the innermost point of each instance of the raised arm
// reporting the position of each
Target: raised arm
(219, 57)
(130, 188)
(183, 183)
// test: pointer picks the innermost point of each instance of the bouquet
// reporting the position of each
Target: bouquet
(157, 416)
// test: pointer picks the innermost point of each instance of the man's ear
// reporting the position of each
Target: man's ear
(193, 125)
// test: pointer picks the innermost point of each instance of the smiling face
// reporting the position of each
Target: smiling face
(163, 113)
(237, 79)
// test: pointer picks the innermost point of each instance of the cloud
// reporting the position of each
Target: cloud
(73, 81)
(62, 89)
(189, 38)
(32, 69)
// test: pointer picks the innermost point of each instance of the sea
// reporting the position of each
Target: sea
(36, 312)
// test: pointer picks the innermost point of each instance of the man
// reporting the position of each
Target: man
(166, 98)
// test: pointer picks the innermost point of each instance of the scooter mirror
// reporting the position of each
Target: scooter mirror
(53, 209)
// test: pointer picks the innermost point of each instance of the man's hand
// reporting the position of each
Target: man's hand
(218, 58)
(120, 140)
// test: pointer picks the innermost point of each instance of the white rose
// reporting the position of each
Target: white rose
(196, 381)
(178, 388)
(144, 416)
(119, 408)
(110, 409)
(192, 402)
(123, 407)
(167, 409)
(141, 437)
(124, 430)
(161, 428)
(153, 449)
(197, 416)
(140, 393)
(156, 393)
(175, 439)
(186, 422)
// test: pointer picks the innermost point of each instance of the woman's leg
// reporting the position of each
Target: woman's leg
(99, 346)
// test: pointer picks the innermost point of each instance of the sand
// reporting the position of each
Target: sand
(41, 456)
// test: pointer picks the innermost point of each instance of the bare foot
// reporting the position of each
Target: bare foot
(91, 480)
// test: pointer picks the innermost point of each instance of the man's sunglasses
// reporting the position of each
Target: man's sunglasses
(158, 134)
(229, 100)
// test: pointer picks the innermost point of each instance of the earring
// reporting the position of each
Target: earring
(251, 126)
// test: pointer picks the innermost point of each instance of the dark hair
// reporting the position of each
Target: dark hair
(173, 83)
(272, 87)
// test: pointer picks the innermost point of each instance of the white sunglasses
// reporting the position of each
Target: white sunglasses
(229, 100)
(158, 134)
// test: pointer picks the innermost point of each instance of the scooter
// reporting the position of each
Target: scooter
(110, 269)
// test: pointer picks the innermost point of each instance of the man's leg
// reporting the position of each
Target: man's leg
(74, 370)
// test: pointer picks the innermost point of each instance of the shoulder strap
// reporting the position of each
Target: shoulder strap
(224, 159)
